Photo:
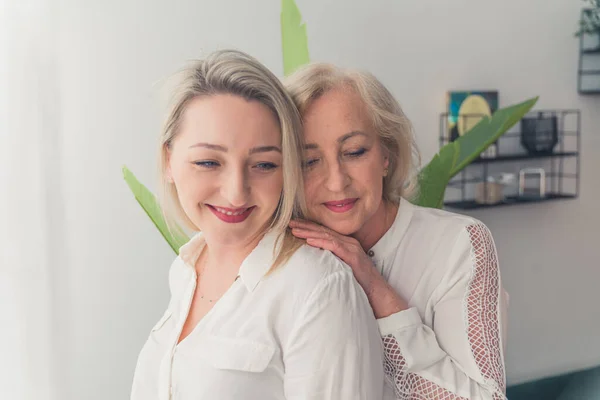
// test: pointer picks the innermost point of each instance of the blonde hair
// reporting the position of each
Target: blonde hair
(236, 73)
(395, 131)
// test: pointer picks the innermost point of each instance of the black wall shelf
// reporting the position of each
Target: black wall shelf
(516, 157)
(508, 201)
(561, 165)
(588, 72)
(591, 51)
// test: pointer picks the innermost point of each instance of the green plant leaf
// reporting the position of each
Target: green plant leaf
(455, 156)
(434, 177)
(293, 37)
(150, 205)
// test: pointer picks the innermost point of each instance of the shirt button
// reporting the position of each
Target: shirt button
(371, 253)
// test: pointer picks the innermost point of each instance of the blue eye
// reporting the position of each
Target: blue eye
(356, 153)
(266, 166)
(206, 164)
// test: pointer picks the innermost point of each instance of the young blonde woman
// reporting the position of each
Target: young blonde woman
(254, 313)
(431, 276)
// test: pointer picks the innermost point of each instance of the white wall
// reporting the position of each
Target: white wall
(111, 266)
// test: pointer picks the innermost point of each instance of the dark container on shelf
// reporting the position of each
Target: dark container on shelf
(539, 135)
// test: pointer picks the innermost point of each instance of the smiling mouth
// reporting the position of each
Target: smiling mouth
(225, 211)
(231, 215)
(341, 206)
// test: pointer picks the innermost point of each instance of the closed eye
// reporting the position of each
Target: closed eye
(311, 162)
(356, 153)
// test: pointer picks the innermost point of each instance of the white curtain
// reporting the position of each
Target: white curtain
(28, 102)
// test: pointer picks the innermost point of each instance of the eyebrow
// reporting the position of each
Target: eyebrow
(312, 146)
(254, 150)
(210, 146)
(350, 135)
(264, 149)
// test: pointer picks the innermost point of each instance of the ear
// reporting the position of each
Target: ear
(168, 172)
(386, 158)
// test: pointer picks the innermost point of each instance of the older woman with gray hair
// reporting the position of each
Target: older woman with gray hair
(431, 276)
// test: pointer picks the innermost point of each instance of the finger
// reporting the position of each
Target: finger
(311, 226)
(326, 244)
(314, 227)
(327, 234)
(298, 223)
(308, 233)
(320, 243)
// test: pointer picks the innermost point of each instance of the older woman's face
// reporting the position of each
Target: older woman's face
(344, 162)
(226, 164)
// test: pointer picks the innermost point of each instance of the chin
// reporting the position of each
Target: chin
(342, 227)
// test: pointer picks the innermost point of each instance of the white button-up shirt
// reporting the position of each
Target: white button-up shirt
(302, 331)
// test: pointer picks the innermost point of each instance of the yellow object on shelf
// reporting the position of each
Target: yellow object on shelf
(471, 111)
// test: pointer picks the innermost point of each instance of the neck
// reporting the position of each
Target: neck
(374, 229)
(227, 257)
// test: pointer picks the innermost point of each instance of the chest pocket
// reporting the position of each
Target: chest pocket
(235, 353)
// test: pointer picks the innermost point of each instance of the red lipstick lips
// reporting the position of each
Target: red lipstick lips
(231, 215)
(341, 206)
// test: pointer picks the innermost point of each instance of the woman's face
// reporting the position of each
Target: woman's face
(226, 166)
(344, 162)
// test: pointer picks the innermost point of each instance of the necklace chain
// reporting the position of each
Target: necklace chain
(202, 296)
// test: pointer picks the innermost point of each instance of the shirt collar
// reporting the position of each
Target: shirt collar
(389, 242)
(253, 268)
(190, 251)
(260, 260)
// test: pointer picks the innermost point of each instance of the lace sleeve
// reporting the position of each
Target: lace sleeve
(415, 364)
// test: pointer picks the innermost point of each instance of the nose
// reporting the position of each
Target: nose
(337, 178)
(235, 187)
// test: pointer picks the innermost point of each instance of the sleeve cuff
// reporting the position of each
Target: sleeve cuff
(398, 321)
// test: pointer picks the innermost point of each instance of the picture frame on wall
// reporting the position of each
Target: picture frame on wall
(467, 107)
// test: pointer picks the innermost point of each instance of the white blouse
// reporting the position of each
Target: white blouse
(302, 331)
(450, 343)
